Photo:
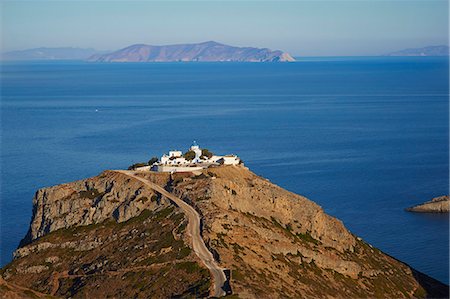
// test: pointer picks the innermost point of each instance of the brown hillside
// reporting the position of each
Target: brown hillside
(112, 235)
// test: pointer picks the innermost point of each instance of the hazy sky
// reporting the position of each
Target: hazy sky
(310, 28)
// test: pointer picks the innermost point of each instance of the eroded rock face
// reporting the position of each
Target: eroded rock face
(439, 204)
(281, 245)
(266, 200)
(90, 201)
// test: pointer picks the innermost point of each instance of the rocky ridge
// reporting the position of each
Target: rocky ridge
(91, 201)
(113, 235)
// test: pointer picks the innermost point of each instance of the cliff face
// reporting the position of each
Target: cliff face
(280, 244)
(439, 204)
(91, 201)
(112, 235)
(207, 51)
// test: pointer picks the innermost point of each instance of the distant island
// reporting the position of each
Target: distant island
(207, 51)
(441, 50)
(43, 53)
(439, 204)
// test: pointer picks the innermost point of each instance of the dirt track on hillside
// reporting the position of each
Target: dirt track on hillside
(193, 229)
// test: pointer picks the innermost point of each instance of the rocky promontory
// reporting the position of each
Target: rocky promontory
(115, 235)
(440, 204)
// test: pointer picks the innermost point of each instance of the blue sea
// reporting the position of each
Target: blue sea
(363, 137)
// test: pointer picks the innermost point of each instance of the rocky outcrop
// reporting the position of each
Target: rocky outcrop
(115, 235)
(90, 201)
(287, 243)
(207, 51)
(439, 204)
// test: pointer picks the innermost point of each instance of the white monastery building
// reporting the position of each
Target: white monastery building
(175, 161)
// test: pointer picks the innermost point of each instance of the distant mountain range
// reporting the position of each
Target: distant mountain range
(207, 51)
(65, 53)
(441, 50)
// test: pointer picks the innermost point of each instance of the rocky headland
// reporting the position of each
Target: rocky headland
(125, 234)
(208, 52)
(440, 204)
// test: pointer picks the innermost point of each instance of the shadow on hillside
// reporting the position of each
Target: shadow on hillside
(433, 287)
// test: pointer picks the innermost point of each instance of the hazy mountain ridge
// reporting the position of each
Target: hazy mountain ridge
(207, 51)
(113, 235)
(441, 50)
(44, 53)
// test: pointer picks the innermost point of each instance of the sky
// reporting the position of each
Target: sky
(302, 28)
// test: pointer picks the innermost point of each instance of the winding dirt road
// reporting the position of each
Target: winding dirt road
(193, 229)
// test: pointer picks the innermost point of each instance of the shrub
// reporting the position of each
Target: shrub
(152, 160)
(190, 155)
(184, 252)
(189, 267)
(91, 194)
(206, 153)
(237, 275)
(289, 227)
(308, 238)
(137, 165)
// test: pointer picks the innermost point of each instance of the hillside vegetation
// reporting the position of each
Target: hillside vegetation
(112, 235)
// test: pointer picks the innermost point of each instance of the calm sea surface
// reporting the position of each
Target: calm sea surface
(362, 137)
